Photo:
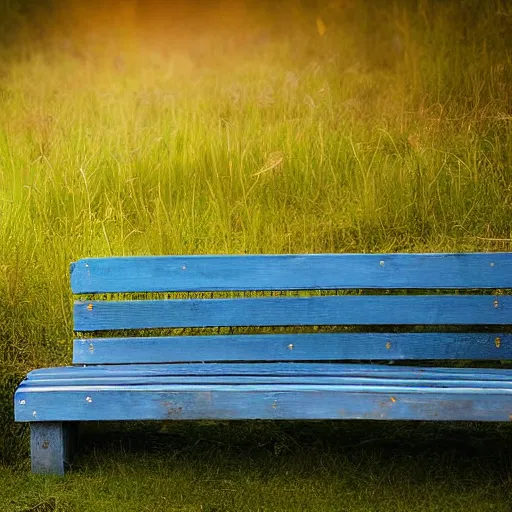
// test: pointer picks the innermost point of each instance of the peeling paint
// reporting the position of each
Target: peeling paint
(172, 410)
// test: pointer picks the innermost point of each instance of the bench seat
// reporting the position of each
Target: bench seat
(265, 391)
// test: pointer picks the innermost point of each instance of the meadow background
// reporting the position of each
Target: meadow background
(131, 128)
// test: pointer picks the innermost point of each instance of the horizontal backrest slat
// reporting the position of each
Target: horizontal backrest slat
(291, 272)
(293, 347)
(301, 311)
(282, 273)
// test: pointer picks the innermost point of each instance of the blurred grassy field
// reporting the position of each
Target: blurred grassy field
(131, 128)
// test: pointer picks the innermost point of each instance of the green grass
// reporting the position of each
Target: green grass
(243, 130)
(262, 466)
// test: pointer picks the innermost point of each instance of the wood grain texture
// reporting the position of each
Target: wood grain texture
(51, 446)
(266, 402)
(293, 347)
(271, 311)
(92, 383)
(285, 374)
(291, 272)
(380, 371)
(265, 391)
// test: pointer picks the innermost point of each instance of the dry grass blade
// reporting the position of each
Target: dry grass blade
(274, 160)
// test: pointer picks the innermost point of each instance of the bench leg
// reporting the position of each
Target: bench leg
(51, 446)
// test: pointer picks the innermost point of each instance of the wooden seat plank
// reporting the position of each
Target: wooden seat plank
(212, 380)
(264, 402)
(262, 369)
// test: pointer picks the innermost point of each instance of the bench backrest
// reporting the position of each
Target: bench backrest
(292, 308)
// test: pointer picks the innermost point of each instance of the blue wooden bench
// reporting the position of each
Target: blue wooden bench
(276, 337)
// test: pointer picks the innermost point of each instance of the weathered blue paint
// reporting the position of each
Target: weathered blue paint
(207, 380)
(302, 369)
(271, 402)
(112, 382)
(270, 311)
(276, 376)
(51, 445)
(289, 272)
(293, 347)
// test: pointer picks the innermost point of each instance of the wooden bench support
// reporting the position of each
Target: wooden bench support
(51, 446)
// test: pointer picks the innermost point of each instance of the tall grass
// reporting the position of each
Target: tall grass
(244, 131)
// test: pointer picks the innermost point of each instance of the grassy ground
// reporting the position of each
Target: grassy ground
(259, 466)
(341, 127)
